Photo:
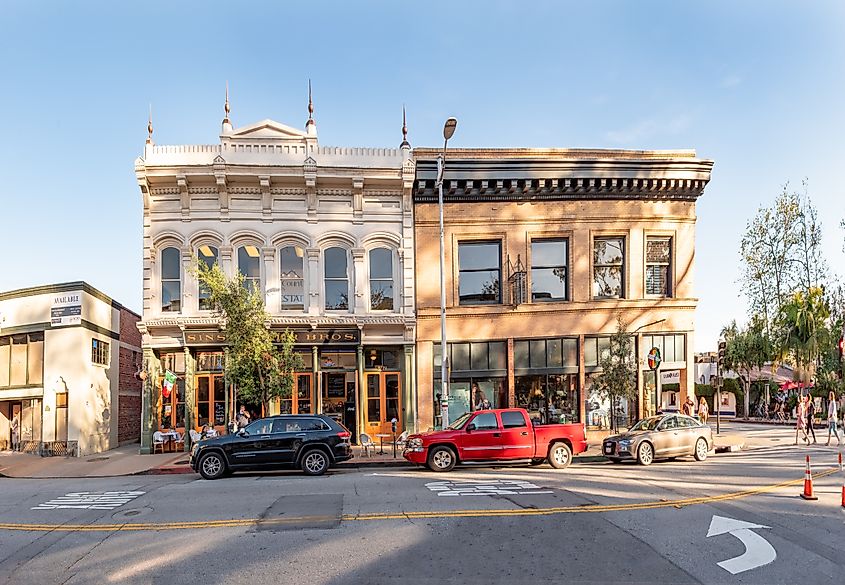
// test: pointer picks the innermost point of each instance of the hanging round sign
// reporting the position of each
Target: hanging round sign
(654, 358)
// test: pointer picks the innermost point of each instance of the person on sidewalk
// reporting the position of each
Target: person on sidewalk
(243, 418)
(16, 433)
(811, 418)
(688, 407)
(703, 411)
(801, 420)
(832, 416)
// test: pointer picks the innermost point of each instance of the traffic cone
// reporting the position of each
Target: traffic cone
(807, 494)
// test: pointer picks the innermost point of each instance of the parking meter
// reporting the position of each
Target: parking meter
(393, 422)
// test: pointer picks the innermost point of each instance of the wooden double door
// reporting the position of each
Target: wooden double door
(302, 399)
(382, 403)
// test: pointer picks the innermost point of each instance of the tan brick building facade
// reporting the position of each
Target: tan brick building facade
(544, 249)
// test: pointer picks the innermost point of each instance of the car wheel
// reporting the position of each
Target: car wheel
(442, 459)
(212, 466)
(560, 456)
(645, 454)
(537, 461)
(315, 462)
(700, 450)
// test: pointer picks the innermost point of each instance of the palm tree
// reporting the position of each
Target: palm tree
(803, 320)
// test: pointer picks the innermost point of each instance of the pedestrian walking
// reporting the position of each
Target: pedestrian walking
(703, 411)
(801, 422)
(811, 417)
(832, 416)
(688, 407)
(16, 433)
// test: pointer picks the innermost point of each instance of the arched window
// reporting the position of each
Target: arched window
(337, 279)
(292, 283)
(171, 281)
(250, 266)
(207, 255)
(381, 279)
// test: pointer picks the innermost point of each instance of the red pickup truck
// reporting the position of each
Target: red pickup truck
(506, 434)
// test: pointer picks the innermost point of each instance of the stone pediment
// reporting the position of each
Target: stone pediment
(268, 129)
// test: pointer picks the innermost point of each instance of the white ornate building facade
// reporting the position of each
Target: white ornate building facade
(326, 234)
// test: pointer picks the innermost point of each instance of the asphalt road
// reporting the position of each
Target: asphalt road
(591, 523)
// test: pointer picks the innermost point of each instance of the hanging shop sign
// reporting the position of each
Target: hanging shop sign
(654, 358)
(301, 337)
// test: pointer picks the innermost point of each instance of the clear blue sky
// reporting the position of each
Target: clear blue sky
(756, 86)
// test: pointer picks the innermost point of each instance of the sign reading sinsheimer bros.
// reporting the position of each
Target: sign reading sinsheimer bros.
(302, 336)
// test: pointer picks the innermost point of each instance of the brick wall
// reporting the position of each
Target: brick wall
(129, 387)
(129, 419)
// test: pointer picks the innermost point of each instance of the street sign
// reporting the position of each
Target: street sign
(670, 377)
(654, 358)
(758, 550)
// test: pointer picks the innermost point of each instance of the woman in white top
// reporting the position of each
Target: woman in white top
(831, 417)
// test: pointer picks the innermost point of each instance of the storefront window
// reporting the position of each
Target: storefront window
(386, 359)
(171, 403)
(22, 359)
(30, 421)
(549, 398)
(210, 361)
(338, 359)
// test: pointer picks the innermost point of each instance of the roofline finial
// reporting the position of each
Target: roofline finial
(404, 130)
(310, 106)
(150, 126)
(226, 105)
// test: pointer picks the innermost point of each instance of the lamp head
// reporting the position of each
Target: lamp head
(449, 128)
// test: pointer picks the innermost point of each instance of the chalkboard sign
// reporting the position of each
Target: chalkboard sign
(220, 413)
(336, 386)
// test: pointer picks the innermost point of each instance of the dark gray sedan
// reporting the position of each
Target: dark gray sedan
(665, 436)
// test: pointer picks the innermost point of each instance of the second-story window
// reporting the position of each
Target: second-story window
(480, 276)
(250, 266)
(337, 279)
(548, 270)
(208, 256)
(658, 258)
(171, 282)
(381, 279)
(293, 282)
(608, 268)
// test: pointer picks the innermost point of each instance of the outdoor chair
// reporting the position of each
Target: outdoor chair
(179, 439)
(195, 436)
(366, 444)
(158, 441)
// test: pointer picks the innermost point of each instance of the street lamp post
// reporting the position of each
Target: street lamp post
(448, 131)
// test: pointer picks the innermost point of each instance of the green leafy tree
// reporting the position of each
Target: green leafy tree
(618, 379)
(804, 322)
(746, 349)
(260, 370)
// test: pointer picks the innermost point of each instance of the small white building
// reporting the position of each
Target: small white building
(68, 355)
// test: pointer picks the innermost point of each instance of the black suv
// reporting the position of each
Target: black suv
(311, 442)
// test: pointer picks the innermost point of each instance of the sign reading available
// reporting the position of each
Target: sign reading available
(66, 309)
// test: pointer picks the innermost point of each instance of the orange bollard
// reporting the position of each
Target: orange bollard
(843, 494)
(807, 494)
(840, 461)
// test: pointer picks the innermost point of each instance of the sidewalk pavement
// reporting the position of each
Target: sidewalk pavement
(125, 460)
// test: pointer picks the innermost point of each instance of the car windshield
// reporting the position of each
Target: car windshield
(647, 424)
(460, 421)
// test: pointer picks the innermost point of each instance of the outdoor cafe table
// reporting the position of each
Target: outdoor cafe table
(381, 437)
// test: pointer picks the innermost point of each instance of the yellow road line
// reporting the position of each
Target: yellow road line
(239, 522)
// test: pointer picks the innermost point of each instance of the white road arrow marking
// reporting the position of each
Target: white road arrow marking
(758, 550)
